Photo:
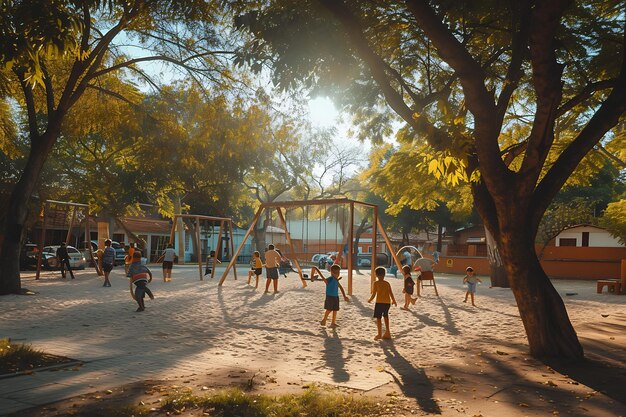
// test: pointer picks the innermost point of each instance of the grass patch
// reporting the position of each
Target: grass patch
(314, 402)
(17, 357)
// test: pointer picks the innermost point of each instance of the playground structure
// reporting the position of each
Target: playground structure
(415, 255)
(178, 225)
(344, 210)
(57, 210)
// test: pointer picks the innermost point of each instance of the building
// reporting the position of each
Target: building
(586, 235)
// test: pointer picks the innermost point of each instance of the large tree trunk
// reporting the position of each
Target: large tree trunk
(548, 328)
(16, 214)
(497, 272)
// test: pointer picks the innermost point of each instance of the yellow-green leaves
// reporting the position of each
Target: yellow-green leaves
(614, 220)
(450, 169)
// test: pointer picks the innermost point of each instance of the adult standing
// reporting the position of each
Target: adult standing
(64, 260)
(108, 260)
(272, 260)
(168, 262)
(406, 257)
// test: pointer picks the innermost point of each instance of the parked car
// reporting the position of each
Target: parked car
(322, 261)
(120, 253)
(49, 257)
(364, 260)
(316, 258)
(28, 256)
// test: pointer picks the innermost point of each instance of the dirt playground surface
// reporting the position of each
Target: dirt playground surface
(446, 357)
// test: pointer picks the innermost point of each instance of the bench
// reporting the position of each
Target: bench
(612, 285)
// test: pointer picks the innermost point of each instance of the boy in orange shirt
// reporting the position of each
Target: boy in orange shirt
(384, 299)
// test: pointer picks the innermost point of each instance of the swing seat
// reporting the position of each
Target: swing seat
(427, 279)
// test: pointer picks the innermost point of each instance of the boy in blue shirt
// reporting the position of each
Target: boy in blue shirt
(331, 304)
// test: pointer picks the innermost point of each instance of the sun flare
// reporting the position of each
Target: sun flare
(322, 112)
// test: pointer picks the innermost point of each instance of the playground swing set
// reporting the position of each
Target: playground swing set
(225, 227)
(344, 214)
(301, 257)
(53, 214)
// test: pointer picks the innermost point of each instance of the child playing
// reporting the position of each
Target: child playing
(210, 261)
(331, 304)
(127, 260)
(256, 268)
(384, 298)
(140, 277)
(471, 281)
(409, 285)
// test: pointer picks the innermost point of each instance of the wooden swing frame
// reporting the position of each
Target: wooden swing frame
(280, 205)
(223, 221)
(70, 205)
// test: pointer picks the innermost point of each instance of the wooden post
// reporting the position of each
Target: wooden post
(99, 270)
(232, 247)
(69, 229)
(218, 249)
(623, 276)
(350, 248)
(288, 236)
(250, 229)
(374, 237)
(42, 241)
(199, 248)
(388, 242)
(173, 232)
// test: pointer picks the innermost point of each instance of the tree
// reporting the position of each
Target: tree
(614, 220)
(509, 96)
(289, 151)
(419, 199)
(52, 52)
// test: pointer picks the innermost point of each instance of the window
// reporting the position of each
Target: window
(585, 239)
(567, 241)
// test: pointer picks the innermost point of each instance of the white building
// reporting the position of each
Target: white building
(585, 235)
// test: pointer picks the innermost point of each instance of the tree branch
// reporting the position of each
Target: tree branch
(436, 137)
(584, 94)
(165, 58)
(605, 118)
(113, 94)
(546, 75)
(479, 100)
(518, 51)
(603, 151)
(47, 82)
(29, 99)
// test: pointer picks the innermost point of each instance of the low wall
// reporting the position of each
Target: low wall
(457, 264)
(558, 262)
(583, 263)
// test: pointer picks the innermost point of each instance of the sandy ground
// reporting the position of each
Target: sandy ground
(446, 357)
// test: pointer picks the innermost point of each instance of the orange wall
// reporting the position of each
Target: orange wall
(559, 262)
(457, 264)
(583, 263)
